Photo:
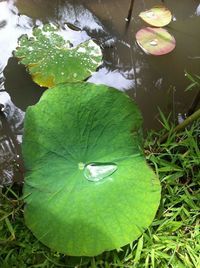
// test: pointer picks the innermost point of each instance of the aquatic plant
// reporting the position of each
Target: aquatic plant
(86, 176)
(177, 164)
(157, 16)
(156, 41)
(86, 179)
(51, 59)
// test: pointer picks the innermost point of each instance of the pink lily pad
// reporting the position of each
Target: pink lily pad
(157, 16)
(155, 41)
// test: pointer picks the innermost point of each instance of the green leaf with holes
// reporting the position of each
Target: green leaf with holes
(88, 188)
(51, 60)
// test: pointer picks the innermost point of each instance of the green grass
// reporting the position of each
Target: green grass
(173, 239)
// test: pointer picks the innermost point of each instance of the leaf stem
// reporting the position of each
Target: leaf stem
(194, 104)
(183, 125)
(130, 12)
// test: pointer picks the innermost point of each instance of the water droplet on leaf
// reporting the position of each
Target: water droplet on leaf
(150, 14)
(154, 42)
(98, 171)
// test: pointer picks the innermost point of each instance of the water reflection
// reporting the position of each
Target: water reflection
(60, 12)
(151, 81)
(198, 11)
(75, 37)
(12, 27)
(14, 115)
(11, 129)
(116, 78)
(152, 76)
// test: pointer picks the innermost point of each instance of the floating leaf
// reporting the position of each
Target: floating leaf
(155, 41)
(88, 188)
(51, 59)
(158, 16)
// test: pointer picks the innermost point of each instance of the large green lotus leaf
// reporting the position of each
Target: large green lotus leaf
(155, 41)
(158, 16)
(88, 188)
(51, 59)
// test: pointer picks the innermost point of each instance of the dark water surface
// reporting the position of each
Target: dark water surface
(151, 81)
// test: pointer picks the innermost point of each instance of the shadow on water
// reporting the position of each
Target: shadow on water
(151, 81)
(19, 83)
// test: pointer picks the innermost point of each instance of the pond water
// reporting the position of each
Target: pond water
(151, 81)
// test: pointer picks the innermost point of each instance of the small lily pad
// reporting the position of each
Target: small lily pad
(52, 60)
(155, 41)
(158, 16)
(88, 188)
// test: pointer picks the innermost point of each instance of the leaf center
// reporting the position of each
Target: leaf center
(98, 171)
